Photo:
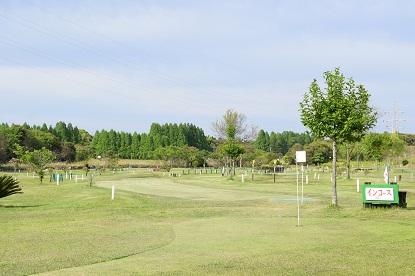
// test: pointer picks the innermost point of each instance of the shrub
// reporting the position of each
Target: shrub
(9, 186)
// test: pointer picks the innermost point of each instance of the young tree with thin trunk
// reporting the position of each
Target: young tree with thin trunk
(243, 131)
(341, 112)
(39, 160)
(232, 149)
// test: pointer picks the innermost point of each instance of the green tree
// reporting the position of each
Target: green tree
(189, 155)
(67, 153)
(135, 144)
(318, 151)
(397, 148)
(39, 160)
(9, 186)
(242, 130)
(262, 141)
(380, 146)
(290, 156)
(375, 146)
(341, 113)
(232, 149)
(62, 132)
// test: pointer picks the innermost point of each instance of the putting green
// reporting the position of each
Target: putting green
(169, 188)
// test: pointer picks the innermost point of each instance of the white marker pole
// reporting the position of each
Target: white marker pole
(302, 185)
(300, 156)
(113, 192)
(298, 199)
(358, 185)
(57, 179)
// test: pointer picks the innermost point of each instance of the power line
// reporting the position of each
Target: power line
(224, 97)
(94, 73)
(263, 104)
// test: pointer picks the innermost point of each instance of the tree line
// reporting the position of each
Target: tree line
(69, 143)
(186, 145)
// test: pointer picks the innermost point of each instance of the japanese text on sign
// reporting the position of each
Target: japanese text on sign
(385, 194)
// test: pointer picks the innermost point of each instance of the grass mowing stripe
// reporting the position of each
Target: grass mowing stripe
(168, 188)
(65, 226)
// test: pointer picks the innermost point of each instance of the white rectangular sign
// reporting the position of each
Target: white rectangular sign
(384, 194)
(300, 156)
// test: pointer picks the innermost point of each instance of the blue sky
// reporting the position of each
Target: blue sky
(122, 65)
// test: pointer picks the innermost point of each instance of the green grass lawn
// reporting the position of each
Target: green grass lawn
(203, 224)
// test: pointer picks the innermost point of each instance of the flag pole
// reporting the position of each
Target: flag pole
(386, 175)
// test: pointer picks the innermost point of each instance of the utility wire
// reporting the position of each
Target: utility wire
(212, 92)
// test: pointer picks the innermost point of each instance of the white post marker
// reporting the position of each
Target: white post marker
(76, 178)
(300, 157)
(57, 179)
(113, 192)
(306, 179)
(302, 184)
(358, 185)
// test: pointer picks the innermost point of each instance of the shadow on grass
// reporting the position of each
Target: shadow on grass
(20, 206)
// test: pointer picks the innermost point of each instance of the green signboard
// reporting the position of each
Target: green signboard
(380, 193)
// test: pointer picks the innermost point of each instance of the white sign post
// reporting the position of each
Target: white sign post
(302, 185)
(300, 157)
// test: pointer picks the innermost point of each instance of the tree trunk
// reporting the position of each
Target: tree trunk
(334, 178)
(348, 160)
(233, 166)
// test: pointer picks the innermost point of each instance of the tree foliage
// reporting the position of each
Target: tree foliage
(9, 186)
(243, 131)
(145, 146)
(379, 146)
(38, 160)
(281, 142)
(340, 112)
(318, 152)
(231, 148)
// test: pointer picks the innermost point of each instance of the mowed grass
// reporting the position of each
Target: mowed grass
(203, 224)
